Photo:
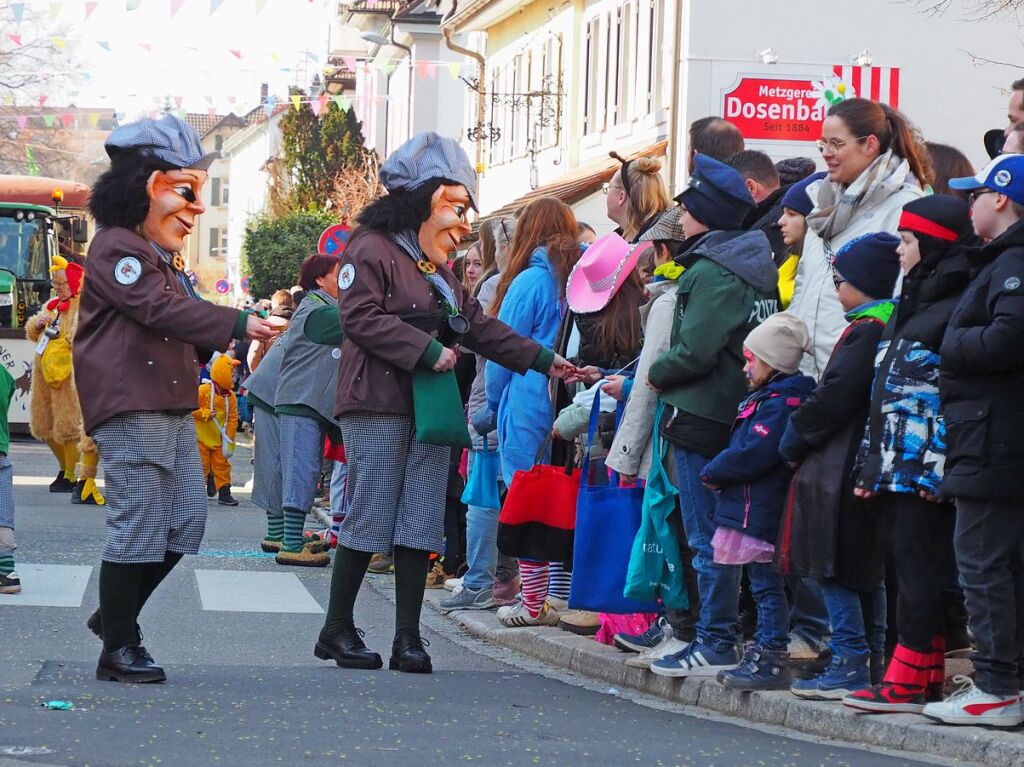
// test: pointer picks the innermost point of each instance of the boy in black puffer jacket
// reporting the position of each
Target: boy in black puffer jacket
(981, 380)
(752, 481)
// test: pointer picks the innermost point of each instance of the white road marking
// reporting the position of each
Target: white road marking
(246, 591)
(49, 585)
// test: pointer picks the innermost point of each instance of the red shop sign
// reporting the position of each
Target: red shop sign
(775, 110)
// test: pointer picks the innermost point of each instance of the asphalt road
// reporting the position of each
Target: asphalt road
(244, 688)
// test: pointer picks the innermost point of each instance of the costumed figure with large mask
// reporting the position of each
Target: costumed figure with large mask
(142, 332)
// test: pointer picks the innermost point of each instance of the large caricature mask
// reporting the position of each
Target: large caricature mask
(440, 234)
(174, 203)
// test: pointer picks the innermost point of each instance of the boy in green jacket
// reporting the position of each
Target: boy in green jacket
(728, 288)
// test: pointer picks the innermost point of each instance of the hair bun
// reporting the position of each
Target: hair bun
(648, 165)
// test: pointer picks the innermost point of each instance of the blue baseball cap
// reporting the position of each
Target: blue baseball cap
(170, 139)
(1004, 174)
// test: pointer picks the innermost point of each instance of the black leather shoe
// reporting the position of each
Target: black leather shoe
(346, 648)
(408, 655)
(130, 664)
(95, 625)
(211, 486)
(225, 498)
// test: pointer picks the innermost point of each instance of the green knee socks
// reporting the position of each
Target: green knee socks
(410, 582)
(294, 522)
(6, 564)
(349, 568)
(275, 527)
(119, 602)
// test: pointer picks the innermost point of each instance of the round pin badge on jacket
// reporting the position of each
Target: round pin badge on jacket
(346, 276)
(128, 270)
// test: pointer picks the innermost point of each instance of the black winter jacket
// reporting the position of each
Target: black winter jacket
(982, 376)
(826, 531)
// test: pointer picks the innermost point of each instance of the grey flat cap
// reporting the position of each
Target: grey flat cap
(426, 156)
(170, 138)
(669, 226)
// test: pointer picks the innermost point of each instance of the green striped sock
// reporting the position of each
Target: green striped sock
(294, 522)
(6, 564)
(275, 527)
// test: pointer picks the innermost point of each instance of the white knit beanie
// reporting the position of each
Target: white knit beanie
(780, 341)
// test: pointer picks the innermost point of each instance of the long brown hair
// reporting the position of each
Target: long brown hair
(617, 331)
(545, 222)
(892, 129)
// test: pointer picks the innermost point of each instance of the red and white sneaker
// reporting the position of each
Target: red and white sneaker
(972, 705)
(887, 698)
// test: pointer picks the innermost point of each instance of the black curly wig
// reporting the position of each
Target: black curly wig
(401, 209)
(119, 196)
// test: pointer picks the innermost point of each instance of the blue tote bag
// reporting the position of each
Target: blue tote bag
(607, 521)
(482, 485)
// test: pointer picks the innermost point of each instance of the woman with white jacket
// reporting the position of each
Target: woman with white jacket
(876, 164)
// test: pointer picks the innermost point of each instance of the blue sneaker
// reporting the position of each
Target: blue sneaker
(760, 669)
(697, 660)
(645, 641)
(847, 672)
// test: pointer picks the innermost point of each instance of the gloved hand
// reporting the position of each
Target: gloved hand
(204, 414)
(484, 421)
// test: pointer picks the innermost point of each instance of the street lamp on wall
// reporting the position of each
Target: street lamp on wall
(379, 39)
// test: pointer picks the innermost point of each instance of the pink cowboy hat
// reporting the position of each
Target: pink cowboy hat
(601, 270)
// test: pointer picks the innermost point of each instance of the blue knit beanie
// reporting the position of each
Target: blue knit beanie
(796, 197)
(870, 263)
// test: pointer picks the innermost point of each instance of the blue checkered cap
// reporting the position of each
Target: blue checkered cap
(426, 156)
(170, 138)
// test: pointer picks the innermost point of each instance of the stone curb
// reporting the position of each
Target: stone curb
(904, 732)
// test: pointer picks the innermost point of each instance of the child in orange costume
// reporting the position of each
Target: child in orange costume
(216, 423)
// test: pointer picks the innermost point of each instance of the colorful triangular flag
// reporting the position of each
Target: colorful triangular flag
(18, 9)
(22, 121)
(131, 5)
(453, 69)
(89, 8)
(104, 44)
(215, 4)
(269, 106)
(16, 39)
(296, 101)
(176, 6)
(236, 54)
(68, 119)
(59, 43)
(260, 5)
(316, 106)
(94, 119)
(42, 100)
(48, 120)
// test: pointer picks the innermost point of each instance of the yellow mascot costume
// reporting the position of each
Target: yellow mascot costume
(55, 415)
(216, 425)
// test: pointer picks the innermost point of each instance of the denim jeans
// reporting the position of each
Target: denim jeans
(989, 542)
(768, 588)
(846, 614)
(481, 544)
(719, 585)
(808, 617)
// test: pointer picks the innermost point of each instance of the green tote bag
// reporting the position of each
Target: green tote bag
(437, 409)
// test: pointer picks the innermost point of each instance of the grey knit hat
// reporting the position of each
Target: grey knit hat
(780, 341)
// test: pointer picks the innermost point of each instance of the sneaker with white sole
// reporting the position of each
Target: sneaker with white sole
(648, 640)
(697, 660)
(453, 584)
(468, 599)
(970, 704)
(10, 583)
(517, 616)
(669, 645)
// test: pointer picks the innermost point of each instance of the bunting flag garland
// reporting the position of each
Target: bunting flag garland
(18, 9)
(16, 39)
(94, 119)
(296, 102)
(89, 8)
(22, 121)
(131, 5)
(55, 9)
(214, 5)
(176, 6)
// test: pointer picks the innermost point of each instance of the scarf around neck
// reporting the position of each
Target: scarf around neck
(837, 204)
(409, 241)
